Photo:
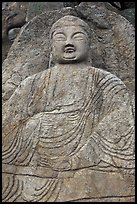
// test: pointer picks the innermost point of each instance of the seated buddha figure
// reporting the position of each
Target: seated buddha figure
(68, 131)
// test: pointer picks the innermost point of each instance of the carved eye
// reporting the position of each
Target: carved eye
(59, 37)
(79, 36)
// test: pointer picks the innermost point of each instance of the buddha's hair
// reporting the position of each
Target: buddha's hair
(69, 20)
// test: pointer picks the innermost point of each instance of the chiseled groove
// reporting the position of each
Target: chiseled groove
(57, 194)
(62, 140)
(17, 192)
(97, 95)
(14, 151)
(28, 157)
(94, 98)
(110, 150)
(88, 103)
(26, 146)
(62, 146)
(58, 184)
(60, 136)
(45, 185)
(43, 163)
(48, 192)
(96, 76)
(80, 128)
(74, 117)
(114, 94)
(45, 189)
(13, 145)
(13, 158)
(30, 154)
(111, 153)
(52, 190)
(116, 167)
(9, 190)
(102, 197)
(108, 76)
(81, 117)
(6, 187)
(37, 197)
(105, 141)
(122, 136)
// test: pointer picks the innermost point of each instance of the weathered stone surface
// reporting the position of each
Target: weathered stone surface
(68, 131)
(13, 16)
(112, 48)
(36, 8)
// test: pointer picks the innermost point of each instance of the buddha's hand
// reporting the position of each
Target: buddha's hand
(61, 163)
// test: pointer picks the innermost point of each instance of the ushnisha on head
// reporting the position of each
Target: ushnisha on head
(70, 40)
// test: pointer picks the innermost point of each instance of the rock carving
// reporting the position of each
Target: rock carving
(68, 131)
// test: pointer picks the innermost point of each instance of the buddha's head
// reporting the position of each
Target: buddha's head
(70, 40)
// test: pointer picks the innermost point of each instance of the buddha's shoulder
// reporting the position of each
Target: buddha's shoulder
(36, 78)
(103, 75)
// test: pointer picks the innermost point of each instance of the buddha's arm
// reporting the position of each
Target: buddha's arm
(22, 105)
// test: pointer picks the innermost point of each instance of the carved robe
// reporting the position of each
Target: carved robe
(65, 132)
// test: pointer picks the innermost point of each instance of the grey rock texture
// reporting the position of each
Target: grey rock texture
(13, 17)
(36, 8)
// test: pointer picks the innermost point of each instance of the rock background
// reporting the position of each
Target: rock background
(112, 49)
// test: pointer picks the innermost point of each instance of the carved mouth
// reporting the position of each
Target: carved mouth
(69, 50)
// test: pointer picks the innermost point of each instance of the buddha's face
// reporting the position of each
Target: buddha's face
(70, 45)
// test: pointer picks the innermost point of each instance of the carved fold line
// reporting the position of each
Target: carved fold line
(28, 157)
(117, 167)
(17, 193)
(66, 139)
(111, 149)
(88, 104)
(74, 130)
(52, 190)
(13, 144)
(4, 189)
(44, 190)
(107, 152)
(12, 190)
(58, 189)
(47, 194)
(122, 136)
(86, 110)
(45, 184)
(28, 146)
(98, 94)
(14, 151)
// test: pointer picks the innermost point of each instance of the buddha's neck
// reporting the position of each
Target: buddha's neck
(72, 65)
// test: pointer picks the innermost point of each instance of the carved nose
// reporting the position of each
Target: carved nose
(69, 40)
(69, 48)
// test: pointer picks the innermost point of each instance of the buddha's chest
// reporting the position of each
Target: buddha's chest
(68, 89)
